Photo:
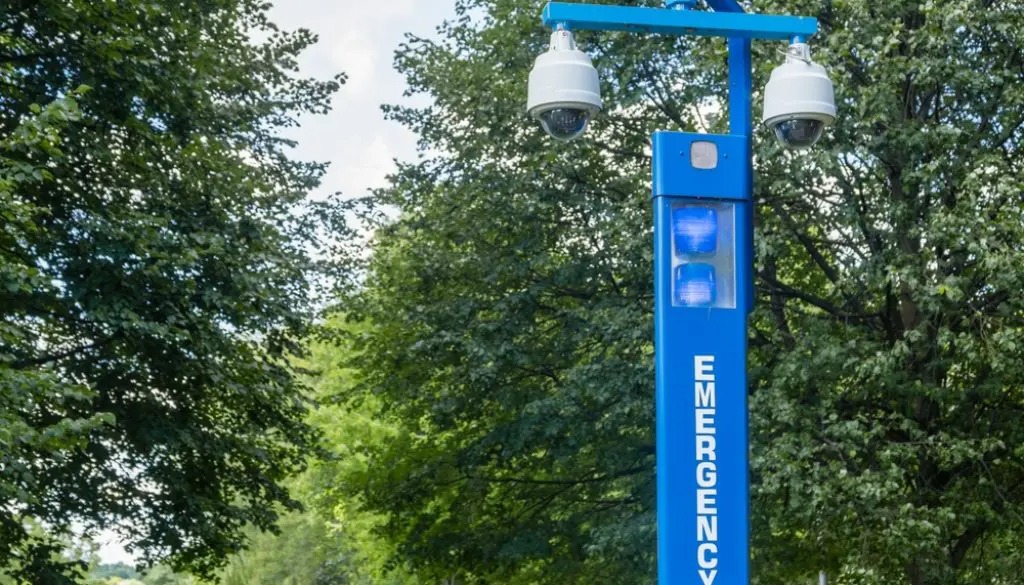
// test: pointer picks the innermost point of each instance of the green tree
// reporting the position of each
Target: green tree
(155, 275)
(888, 448)
(164, 575)
(23, 155)
(332, 541)
(350, 434)
(511, 311)
(510, 307)
(119, 570)
(302, 553)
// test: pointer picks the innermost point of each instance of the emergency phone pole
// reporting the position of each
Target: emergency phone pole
(703, 273)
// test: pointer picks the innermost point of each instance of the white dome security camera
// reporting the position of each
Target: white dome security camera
(799, 100)
(564, 90)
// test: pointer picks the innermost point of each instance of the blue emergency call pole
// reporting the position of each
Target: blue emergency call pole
(703, 241)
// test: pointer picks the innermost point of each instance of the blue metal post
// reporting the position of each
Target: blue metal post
(700, 362)
(703, 281)
(741, 88)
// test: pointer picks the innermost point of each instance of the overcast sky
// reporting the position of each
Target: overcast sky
(357, 37)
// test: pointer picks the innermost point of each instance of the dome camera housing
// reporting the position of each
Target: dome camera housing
(799, 101)
(564, 90)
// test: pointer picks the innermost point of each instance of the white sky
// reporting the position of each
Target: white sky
(357, 37)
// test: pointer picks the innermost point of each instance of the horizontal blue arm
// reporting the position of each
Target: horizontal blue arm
(678, 22)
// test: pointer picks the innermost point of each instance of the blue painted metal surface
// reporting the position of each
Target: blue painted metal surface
(741, 88)
(725, 5)
(677, 22)
(673, 174)
(700, 364)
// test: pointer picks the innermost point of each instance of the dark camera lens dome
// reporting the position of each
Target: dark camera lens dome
(799, 133)
(564, 123)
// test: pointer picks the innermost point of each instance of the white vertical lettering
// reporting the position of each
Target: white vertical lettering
(707, 475)
(704, 394)
(705, 421)
(706, 501)
(706, 448)
(707, 528)
(704, 403)
(703, 367)
(707, 555)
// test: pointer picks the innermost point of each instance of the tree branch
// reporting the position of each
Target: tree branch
(818, 302)
(598, 479)
(54, 357)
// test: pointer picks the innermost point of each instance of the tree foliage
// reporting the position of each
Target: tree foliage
(888, 397)
(155, 274)
(332, 541)
(509, 306)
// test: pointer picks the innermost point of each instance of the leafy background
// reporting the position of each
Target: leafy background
(483, 388)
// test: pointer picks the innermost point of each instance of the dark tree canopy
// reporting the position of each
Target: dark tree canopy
(155, 274)
(510, 306)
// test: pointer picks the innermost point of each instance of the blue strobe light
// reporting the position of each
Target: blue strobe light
(695, 230)
(695, 285)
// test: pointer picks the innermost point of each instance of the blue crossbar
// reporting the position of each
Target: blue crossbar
(678, 22)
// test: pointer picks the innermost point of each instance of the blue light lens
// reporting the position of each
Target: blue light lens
(695, 230)
(695, 285)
